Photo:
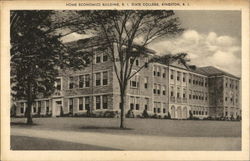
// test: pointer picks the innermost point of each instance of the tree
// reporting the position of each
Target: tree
(127, 34)
(36, 56)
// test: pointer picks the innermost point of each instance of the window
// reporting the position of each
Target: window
(178, 76)
(98, 59)
(34, 108)
(98, 102)
(154, 110)
(105, 78)
(154, 70)
(81, 81)
(71, 105)
(158, 71)
(137, 105)
(163, 90)
(105, 57)
(80, 102)
(145, 82)
(134, 82)
(190, 78)
(164, 108)
(87, 101)
(137, 62)
(155, 86)
(47, 106)
(98, 79)
(87, 80)
(206, 82)
(22, 108)
(163, 73)
(225, 98)
(158, 89)
(58, 84)
(132, 101)
(146, 62)
(172, 91)
(131, 61)
(184, 77)
(71, 83)
(159, 110)
(105, 102)
(146, 103)
(205, 112)
(178, 92)
(39, 104)
(172, 74)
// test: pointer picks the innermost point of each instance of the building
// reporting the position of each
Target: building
(177, 90)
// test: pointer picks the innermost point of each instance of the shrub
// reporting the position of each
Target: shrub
(145, 114)
(110, 114)
(130, 114)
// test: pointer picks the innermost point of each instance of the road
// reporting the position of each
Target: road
(132, 141)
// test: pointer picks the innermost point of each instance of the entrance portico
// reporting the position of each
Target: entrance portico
(57, 105)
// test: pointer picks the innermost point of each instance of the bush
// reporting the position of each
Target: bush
(111, 114)
(145, 114)
(130, 114)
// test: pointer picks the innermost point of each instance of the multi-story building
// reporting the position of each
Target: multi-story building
(176, 89)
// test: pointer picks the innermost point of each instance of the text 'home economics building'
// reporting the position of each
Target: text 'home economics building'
(175, 89)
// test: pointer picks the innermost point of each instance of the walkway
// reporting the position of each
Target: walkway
(134, 142)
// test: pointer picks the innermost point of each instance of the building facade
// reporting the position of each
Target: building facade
(177, 90)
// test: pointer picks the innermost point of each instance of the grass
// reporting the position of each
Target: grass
(30, 143)
(157, 127)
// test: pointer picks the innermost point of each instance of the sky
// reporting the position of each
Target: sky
(211, 38)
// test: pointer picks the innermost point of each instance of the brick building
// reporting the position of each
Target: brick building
(175, 89)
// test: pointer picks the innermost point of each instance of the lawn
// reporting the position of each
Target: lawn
(158, 127)
(30, 143)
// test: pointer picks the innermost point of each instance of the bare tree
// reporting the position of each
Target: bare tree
(127, 33)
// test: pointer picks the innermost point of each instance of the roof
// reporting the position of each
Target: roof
(212, 71)
(97, 41)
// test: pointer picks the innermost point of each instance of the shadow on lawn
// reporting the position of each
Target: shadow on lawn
(103, 128)
(24, 124)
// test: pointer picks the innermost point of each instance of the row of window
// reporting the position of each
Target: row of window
(229, 83)
(159, 109)
(159, 72)
(83, 81)
(100, 58)
(200, 112)
(195, 80)
(36, 107)
(101, 102)
(158, 88)
(135, 103)
(231, 99)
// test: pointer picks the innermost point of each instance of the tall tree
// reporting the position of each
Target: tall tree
(36, 56)
(127, 33)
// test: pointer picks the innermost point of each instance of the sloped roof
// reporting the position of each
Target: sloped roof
(213, 71)
(97, 41)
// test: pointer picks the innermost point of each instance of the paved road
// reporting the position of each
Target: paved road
(134, 142)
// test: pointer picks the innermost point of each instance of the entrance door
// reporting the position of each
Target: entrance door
(57, 106)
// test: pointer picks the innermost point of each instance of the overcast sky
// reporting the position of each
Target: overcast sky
(211, 38)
